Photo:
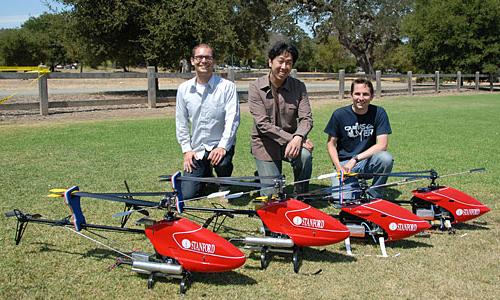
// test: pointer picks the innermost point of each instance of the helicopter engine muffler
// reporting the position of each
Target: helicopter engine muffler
(148, 267)
(269, 241)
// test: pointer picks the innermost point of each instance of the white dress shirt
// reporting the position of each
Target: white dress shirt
(212, 110)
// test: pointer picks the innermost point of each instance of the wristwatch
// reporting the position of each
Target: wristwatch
(356, 159)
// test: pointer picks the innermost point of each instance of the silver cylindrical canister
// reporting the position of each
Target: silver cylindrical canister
(268, 241)
(356, 230)
(426, 214)
(150, 267)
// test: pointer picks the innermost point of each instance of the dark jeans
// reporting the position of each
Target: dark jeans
(202, 168)
(302, 169)
(380, 162)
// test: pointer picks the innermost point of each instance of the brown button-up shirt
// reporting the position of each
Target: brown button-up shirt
(270, 135)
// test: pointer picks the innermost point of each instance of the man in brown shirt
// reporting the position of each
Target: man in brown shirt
(282, 119)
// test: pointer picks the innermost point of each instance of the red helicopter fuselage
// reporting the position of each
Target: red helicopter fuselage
(196, 248)
(304, 224)
(397, 222)
(460, 205)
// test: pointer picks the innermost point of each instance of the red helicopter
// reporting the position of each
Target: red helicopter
(181, 246)
(436, 205)
(378, 219)
(289, 224)
(445, 206)
(441, 206)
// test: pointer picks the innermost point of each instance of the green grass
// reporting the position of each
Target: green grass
(448, 133)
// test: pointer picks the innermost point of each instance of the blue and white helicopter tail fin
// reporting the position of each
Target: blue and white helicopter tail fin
(73, 201)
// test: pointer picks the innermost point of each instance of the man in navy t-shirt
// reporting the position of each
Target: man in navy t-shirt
(358, 136)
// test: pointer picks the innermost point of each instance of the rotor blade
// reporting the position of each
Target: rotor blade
(136, 202)
(217, 194)
(140, 194)
(234, 196)
(396, 174)
(325, 176)
(57, 190)
(472, 171)
(224, 181)
(167, 177)
(55, 195)
(397, 183)
(128, 212)
(251, 177)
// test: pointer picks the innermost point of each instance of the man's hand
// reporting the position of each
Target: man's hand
(216, 155)
(308, 144)
(189, 158)
(293, 147)
(349, 165)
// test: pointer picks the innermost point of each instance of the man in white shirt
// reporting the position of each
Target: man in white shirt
(207, 118)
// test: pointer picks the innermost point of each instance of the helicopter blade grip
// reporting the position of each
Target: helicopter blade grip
(176, 185)
(73, 201)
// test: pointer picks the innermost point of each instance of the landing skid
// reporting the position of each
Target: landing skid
(266, 255)
(186, 280)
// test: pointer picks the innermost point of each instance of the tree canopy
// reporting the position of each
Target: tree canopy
(359, 25)
(418, 35)
(163, 32)
(455, 35)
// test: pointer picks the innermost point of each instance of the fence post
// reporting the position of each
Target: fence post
(151, 72)
(410, 83)
(43, 94)
(436, 88)
(341, 84)
(378, 80)
(477, 80)
(491, 82)
(231, 74)
(294, 73)
(459, 80)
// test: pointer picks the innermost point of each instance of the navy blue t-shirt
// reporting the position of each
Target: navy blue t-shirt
(356, 133)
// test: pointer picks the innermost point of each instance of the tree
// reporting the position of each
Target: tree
(174, 27)
(163, 32)
(107, 29)
(359, 25)
(455, 35)
(47, 32)
(18, 49)
(331, 56)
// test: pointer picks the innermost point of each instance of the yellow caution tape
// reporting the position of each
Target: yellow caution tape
(41, 71)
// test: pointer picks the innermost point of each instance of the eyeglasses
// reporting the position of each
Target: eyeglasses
(201, 57)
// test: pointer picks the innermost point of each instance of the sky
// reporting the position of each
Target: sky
(15, 12)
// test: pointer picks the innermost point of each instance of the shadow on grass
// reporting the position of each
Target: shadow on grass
(472, 226)
(97, 253)
(391, 194)
(308, 254)
(224, 278)
(219, 279)
(408, 244)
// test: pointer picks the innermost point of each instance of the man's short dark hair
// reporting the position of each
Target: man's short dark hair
(282, 47)
(202, 46)
(364, 81)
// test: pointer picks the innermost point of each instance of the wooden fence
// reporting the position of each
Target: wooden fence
(414, 83)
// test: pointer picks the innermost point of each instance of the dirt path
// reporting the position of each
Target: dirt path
(112, 113)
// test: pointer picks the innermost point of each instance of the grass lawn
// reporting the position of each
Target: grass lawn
(448, 133)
